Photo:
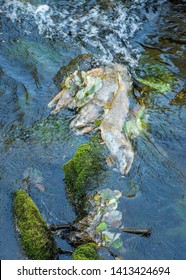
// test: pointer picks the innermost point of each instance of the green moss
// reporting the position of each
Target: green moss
(36, 238)
(49, 130)
(86, 252)
(156, 76)
(54, 128)
(83, 170)
(97, 122)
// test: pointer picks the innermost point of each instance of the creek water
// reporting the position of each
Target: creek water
(36, 39)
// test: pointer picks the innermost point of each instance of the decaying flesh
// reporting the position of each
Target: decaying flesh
(84, 122)
(108, 104)
(111, 129)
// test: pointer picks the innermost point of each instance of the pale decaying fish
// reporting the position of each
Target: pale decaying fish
(111, 128)
(100, 95)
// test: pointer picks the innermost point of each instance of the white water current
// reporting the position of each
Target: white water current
(105, 32)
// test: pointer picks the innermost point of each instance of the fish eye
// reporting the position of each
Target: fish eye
(122, 147)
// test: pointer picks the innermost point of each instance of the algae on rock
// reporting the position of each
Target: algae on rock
(83, 170)
(36, 238)
(156, 76)
(86, 252)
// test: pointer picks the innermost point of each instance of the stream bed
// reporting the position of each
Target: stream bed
(37, 38)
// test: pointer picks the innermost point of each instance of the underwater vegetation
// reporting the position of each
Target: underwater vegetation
(156, 76)
(50, 129)
(180, 98)
(82, 61)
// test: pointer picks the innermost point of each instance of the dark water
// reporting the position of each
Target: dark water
(35, 41)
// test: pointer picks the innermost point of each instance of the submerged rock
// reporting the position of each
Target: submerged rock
(101, 97)
(36, 238)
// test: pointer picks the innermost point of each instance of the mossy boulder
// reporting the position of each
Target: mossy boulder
(83, 171)
(86, 251)
(36, 238)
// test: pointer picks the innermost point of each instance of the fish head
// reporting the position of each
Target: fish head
(125, 159)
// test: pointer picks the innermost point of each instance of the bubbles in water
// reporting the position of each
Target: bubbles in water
(104, 32)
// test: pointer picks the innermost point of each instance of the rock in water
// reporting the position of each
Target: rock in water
(83, 171)
(36, 238)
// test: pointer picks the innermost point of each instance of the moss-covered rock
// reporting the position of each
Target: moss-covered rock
(86, 252)
(36, 238)
(83, 170)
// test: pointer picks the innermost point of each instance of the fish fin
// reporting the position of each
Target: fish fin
(121, 85)
(55, 99)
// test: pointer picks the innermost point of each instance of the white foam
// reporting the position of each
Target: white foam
(42, 9)
(103, 33)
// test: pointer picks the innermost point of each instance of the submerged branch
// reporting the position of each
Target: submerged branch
(71, 227)
(143, 232)
(62, 226)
